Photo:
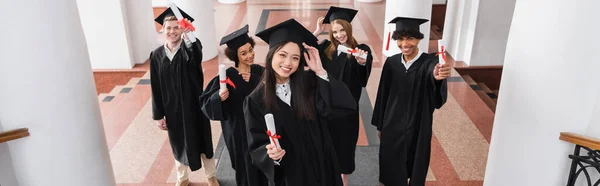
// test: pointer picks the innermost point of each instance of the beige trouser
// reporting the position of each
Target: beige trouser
(207, 164)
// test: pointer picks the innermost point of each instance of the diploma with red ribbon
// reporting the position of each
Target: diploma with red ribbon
(185, 24)
(350, 51)
(441, 53)
(222, 77)
(271, 131)
(190, 35)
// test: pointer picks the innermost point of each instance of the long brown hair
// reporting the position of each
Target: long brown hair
(332, 48)
(303, 90)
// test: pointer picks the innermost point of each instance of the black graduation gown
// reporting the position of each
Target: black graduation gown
(406, 100)
(176, 87)
(310, 157)
(344, 130)
(231, 114)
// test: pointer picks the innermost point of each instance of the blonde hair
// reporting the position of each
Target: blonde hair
(170, 18)
(334, 43)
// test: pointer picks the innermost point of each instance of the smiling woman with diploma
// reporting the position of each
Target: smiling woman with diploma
(223, 100)
(287, 114)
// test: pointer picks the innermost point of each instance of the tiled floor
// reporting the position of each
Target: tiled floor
(141, 154)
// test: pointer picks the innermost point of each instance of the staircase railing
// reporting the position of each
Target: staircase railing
(13, 134)
(581, 162)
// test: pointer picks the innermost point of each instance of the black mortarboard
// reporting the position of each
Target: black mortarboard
(412, 24)
(339, 13)
(289, 30)
(169, 12)
(236, 39)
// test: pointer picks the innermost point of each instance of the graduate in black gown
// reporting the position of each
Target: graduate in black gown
(412, 86)
(176, 79)
(302, 102)
(226, 105)
(353, 71)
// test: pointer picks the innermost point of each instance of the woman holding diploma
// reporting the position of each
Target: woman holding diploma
(353, 71)
(225, 103)
(300, 101)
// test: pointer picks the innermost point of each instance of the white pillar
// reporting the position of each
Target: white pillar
(204, 21)
(464, 46)
(104, 27)
(452, 26)
(406, 8)
(549, 85)
(48, 87)
(594, 125)
(140, 27)
(369, 1)
(231, 1)
(491, 32)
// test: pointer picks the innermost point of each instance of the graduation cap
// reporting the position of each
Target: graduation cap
(408, 23)
(236, 39)
(288, 31)
(168, 12)
(339, 13)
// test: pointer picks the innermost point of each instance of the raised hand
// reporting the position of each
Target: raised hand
(441, 72)
(314, 60)
(320, 26)
(359, 59)
(245, 76)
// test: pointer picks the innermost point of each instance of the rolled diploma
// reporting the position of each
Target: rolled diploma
(346, 50)
(271, 127)
(190, 35)
(222, 77)
(440, 55)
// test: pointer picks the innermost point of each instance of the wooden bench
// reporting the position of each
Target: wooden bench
(581, 162)
(13, 134)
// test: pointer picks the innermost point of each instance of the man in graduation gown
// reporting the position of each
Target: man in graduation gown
(412, 86)
(176, 80)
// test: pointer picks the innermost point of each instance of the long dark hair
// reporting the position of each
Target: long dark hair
(303, 102)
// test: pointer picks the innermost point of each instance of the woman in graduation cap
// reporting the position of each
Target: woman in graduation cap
(226, 105)
(353, 71)
(301, 101)
(176, 80)
(412, 86)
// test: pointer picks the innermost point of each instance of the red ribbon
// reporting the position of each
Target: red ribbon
(185, 24)
(228, 81)
(387, 46)
(273, 137)
(443, 52)
(352, 51)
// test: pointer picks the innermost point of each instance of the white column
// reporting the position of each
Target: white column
(594, 124)
(491, 32)
(369, 1)
(549, 85)
(140, 27)
(452, 26)
(406, 8)
(105, 32)
(231, 1)
(204, 20)
(467, 31)
(48, 87)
